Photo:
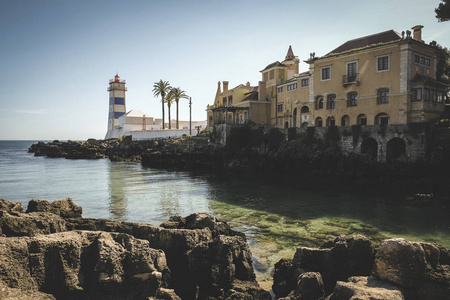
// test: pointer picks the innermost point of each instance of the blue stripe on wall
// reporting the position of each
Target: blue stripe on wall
(119, 100)
(118, 114)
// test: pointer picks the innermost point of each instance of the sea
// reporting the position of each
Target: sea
(275, 218)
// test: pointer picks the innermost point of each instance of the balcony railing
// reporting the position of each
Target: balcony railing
(350, 79)
(120, 81)
(117, 88)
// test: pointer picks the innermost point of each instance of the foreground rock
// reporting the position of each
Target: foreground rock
(350, 269)
(52, 250)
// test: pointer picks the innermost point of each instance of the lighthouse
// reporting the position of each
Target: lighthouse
(117, 107)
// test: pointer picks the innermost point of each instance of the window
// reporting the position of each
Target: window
(345, 121)
(230, 100)
(416, 94)
(272, 74)
(326, 73)
(280, 107)
(362, 120)
(331, 122)
(440, 97)
(331, 102)
(224, 100)
(352, 99)
(382, 119)
(426, 95)
(422, 60)
(319, 122)
(319, 103)
(280, 90)
(383, 96)
(305, 82)
(352, 71)
(292, 86)
(304, 110)
(265, 76)
(383, 63)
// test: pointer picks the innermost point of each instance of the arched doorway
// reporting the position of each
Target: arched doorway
(369, 147)
(331, 121)
(396, 150)
(286, 125)
(345, 121)
(381, 119)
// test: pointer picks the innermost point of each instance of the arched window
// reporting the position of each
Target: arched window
(331, 121)
(331, 102)
(304, 109)
(319, 102)
(362, 120)
(381, 119)
(319, 122)
(345, 121)
(304, 124)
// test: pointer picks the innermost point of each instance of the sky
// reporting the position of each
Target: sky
(57, 56)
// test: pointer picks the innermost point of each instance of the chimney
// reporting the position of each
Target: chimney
(417, 33)
(262, 91)
(225, 86)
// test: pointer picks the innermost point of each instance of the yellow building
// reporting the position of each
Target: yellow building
(384, 78)
(238, 105)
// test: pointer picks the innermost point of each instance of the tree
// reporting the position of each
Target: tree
(169, 101)
(177, 94)
(443, 11)
(161, 88)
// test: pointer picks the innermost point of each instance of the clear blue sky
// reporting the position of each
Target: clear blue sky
(56, 57)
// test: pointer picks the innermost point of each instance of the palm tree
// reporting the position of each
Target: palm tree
(169, 101)
(177, 94)
(161, 88)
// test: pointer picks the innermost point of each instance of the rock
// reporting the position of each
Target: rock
(65, 208)
(344, 257)
(83, 265)
(30, 224)
(401, 262)
(365, 288)
(284, 280)
(11, 206)
(415, 267)
(7, 293)
(310, 286)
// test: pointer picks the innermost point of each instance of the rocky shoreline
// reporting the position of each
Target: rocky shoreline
(51, 252)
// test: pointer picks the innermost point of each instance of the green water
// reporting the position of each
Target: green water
(276, 219)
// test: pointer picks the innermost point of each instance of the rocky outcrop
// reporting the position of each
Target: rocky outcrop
(116, 150)
(365, 288)
(350, 269)
(51, 249)
(65, 208)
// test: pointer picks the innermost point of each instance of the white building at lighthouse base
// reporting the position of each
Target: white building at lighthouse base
(140, 126)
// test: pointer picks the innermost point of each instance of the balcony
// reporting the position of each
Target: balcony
(117, 88)
(350, 79)
(120, 81)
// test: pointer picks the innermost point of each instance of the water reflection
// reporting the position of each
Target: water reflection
(117, 194)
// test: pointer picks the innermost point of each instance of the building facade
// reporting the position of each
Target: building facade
(384, 78)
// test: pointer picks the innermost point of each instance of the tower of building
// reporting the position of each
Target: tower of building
(117, 107)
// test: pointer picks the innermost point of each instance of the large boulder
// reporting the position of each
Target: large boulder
(416, 267)
(337, 260)
(23, 224)
(83, 265)
(365, 288)
(65, 208)
(11, 206)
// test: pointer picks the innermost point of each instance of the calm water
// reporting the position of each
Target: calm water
(276, 219)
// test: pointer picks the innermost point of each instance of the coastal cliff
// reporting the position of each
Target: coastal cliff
(51, 252)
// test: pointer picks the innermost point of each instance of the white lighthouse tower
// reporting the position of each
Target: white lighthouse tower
(117, 107)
